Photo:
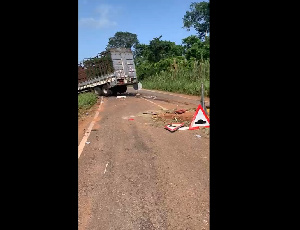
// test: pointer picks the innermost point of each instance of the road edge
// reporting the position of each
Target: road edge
(88, 132)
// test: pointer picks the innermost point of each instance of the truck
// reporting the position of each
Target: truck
(109, 73)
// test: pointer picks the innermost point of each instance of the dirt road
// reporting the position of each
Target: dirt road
(134, 174)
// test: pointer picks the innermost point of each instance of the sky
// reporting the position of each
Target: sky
(98, 20)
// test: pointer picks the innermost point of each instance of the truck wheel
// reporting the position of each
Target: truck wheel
(114, 91)
(97, 90)
(122, 88)
(106, 91)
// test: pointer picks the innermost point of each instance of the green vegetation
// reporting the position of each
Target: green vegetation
(100, 65)
(198, 17)
(186, 78)
(122, 40)
(164, 65)
(86, 101)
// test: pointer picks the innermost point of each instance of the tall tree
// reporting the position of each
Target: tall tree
(198, 17)
(123, 40)
(159, 49)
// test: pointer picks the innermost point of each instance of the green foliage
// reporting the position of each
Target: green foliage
(86, 100)
(122, 40)
(194, 47)
(198, 17)
(176, 75)
(189, 41)
(141, 53)
(159, 49)
(186, 78)
(98, 66)
(159, 55)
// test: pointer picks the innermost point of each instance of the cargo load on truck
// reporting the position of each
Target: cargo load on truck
(109, 73)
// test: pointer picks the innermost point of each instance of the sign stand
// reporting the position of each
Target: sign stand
(202, 102)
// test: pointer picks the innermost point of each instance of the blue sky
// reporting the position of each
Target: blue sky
(98, 20)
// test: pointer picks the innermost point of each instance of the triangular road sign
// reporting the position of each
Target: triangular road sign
(200, 119)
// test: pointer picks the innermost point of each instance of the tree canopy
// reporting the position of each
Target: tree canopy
(195, 48)
(198, 17)
(122, 40)
(159, 49)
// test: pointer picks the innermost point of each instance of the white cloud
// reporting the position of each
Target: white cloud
(96, 23)
(102, 20)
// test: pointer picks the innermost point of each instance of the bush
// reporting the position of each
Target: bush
(86, 100)
(176, 75)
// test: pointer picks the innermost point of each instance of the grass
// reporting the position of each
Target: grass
(183, 80)
(86, 101)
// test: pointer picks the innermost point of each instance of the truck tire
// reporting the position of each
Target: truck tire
(106, 91)
(97, 90)
(114, 91)
(122, 88)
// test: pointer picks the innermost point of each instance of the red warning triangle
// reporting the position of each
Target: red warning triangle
(200, 119)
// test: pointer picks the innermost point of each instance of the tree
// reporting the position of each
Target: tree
(195, 48)
(141, 53)
(123, 40)
(198, 17)
(189, 41)
(159, 49)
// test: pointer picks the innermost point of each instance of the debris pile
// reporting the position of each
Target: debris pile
(180, 111)
(181, 119)
(173, 120)
(181, 115)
